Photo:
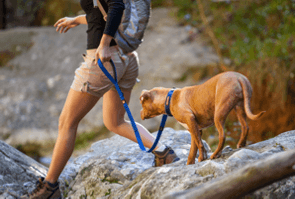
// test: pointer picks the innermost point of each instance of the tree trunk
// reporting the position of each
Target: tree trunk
(2, 14)
(245, 180)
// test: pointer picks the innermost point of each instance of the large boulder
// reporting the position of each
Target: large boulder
(117, 168)
(18, 172)
(123, 171)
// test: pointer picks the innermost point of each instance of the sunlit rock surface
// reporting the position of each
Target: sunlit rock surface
(117, 168)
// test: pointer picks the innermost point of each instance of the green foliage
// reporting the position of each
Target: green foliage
(248, 30)
(157, 3)
(66, 190)
(5, 57)
(14, 45)
(108, 193)
(31, 149)
(257, 30)
(83, 140)
(258, 36)
(52, 10)
(86, 170)
(112, 180)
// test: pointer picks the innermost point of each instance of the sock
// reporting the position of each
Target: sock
(161, 148)
(52, 185)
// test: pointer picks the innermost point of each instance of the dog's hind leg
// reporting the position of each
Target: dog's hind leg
(221, 113)
(219, 124)
(242, 119)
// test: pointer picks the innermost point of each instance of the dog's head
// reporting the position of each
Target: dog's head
(151, 103)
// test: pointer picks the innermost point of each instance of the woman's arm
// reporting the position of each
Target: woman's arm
(66, 23)
(103, 51)
(81, 19)
(115, 12)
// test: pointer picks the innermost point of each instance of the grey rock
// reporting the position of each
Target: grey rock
(117, 168)
(283, 140)
(18, 172)
(240, 158)
(144, 181)
(211, 168)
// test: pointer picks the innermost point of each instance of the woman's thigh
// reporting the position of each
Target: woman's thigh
(113, 109)
(77, 105)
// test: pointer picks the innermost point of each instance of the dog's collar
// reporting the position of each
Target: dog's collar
(167, 102)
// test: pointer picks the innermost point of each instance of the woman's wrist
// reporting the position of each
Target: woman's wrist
(106, 40)
(81, 19)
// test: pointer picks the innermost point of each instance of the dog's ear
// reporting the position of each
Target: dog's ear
(145, 95)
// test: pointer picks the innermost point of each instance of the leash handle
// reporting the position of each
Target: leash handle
(137, 135)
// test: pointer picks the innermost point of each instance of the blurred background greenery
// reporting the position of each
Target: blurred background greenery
(258, 36)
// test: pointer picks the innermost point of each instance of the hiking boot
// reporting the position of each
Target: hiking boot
(166, 157)
(44, 190)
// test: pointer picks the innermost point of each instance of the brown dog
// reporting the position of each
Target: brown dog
(200, 106)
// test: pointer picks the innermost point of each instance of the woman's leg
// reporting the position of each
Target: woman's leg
(113, 117)
(77, 105)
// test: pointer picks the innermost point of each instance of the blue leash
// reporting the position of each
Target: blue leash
(164, 118)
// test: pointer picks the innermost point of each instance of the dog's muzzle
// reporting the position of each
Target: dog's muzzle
(142, 115)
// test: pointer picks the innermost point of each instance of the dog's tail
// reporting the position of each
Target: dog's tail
(247, 92)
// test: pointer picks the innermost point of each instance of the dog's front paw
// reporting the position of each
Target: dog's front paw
(202, 157)
(240, 145)
(214, 156)
(190, 162)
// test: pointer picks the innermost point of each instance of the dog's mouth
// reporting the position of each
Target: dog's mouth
(143, 115)
(146, 115)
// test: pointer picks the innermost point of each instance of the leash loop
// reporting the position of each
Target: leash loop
(138, 138)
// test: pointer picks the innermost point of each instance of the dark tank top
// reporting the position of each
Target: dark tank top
(96, 24)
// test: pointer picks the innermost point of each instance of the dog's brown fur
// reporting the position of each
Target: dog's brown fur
(200, 106)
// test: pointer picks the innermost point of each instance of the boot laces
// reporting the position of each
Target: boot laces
(39, 186)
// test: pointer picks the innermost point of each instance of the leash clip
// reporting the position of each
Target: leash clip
(168, 101)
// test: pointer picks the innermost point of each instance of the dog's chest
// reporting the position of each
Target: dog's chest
(184, 125)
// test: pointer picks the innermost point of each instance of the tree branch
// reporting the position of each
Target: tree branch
(209, 31)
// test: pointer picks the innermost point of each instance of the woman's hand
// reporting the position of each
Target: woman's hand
(66, 23)
(103, 51)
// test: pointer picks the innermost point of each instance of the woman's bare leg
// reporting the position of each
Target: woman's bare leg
(77, 105)
(113, 117)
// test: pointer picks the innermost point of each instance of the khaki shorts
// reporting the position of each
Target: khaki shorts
(90, 78)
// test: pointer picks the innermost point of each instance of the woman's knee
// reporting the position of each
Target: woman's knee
(66, 123)
(112, 125)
